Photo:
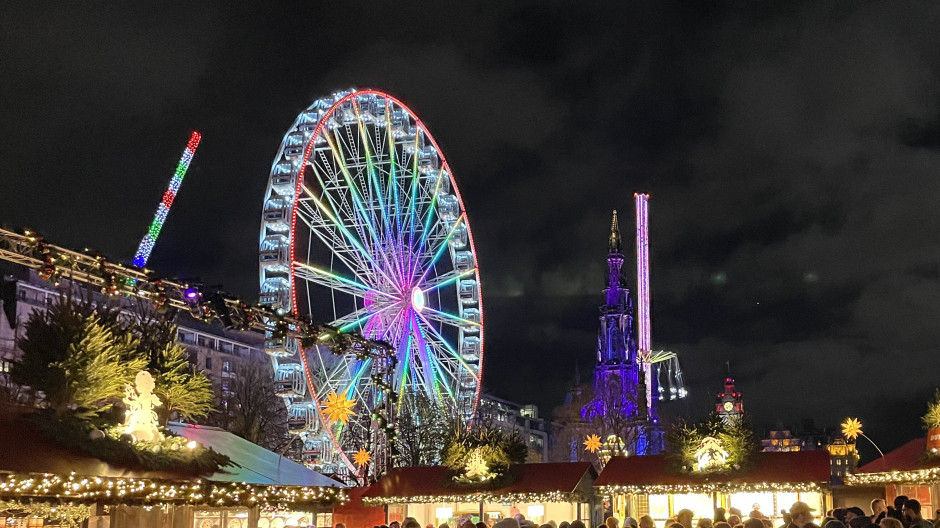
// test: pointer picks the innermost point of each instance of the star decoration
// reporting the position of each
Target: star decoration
(362, 458)
(851, 428)
(338, 407)
(593, 443)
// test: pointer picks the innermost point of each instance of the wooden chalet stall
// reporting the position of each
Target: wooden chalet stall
(44, 482)
(912, 470)
(644, 485)
(541, 492)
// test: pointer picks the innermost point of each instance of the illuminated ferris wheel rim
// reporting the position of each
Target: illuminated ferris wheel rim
(415, 297)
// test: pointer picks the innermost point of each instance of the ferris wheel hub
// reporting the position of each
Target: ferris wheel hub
(417, 299)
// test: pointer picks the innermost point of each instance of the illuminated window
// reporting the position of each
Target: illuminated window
(659, 507)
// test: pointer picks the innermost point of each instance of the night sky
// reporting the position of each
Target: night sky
(792, 151)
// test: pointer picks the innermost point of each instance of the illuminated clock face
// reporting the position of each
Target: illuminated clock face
(729, 406)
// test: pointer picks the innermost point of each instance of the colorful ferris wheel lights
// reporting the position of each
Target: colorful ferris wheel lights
(147, 243)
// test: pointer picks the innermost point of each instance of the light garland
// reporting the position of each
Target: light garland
(147, 243)
(915, 476)
(709, 487)
(483, 496)
(152, 491)
(68, 515)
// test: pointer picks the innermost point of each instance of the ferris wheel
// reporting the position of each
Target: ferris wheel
(364, 228)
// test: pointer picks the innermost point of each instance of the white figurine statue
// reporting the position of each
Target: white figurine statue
(141, 419)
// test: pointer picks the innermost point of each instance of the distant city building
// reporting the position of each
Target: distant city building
(220, 354)
(524, 419)
(730, 405)
(843, 457)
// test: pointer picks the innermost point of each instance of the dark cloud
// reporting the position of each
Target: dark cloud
(791, 149)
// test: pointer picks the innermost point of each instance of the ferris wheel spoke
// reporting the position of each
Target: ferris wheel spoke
(433, 373)
(446, 318)
(337, 282)
(446, 279)
(440, 340)
(366, 214)
(439, 251)
(356, 318)
(327, 234)
(365, 253)
(375, 188)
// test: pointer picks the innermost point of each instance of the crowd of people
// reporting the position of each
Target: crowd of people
(905, 513)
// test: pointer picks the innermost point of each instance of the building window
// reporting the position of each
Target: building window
(208, 363)
(224, 386)
(226, 366)
(4, 365)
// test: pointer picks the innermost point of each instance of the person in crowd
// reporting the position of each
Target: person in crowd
(552, 523)
(834, 523)
(890, 522)
(722, 524)
(393, 524)
(480, 524)
(704, 522)
(546, 525)
(878, 510)
(647, 522)
(720, 515)
(853, 512)
(734, 511)
(684, 517)
(767, 522)
(612, 522)
(629, 522)
(734, 520)
(601, 526)
(897, 511)
(911, 511)
(564, 524)
(410, 522)
(428, 525)
(577, 524)
(753, 522)
(860, 522)
(674, 525)
(839, 515)
(755, 514)
(445, 525)
(508, 522)
(801, 515)
(340, 525)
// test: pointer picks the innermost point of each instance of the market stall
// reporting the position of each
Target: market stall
(769, 483)
(540, 492)
(41, 479)
(912, 470)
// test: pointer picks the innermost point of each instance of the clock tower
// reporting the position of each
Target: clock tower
(730, 404)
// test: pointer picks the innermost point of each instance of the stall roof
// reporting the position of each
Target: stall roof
(904, 465)
(27, 450)
(255, 464)
(905, 458)
(803, 470)
(424, 484)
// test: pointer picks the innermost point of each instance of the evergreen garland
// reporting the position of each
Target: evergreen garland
(171, 454)
(737, 439)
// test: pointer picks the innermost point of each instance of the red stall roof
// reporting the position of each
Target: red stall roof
(803, 470)
(425, 484)
(903, 465)
(904, 458)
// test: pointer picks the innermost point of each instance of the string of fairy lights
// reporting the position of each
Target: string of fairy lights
(710, 487)
(482, 496)
(911, 477)
(139, 491)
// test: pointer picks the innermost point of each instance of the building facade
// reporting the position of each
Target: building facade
(515, 418)
(221, 354)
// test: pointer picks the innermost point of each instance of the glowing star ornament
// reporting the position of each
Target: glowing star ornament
(851, 428)
(140, 419)
(338, 407)
(593, 443)
(362, 457)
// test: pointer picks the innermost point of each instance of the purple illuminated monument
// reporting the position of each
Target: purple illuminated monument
(622, 383)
